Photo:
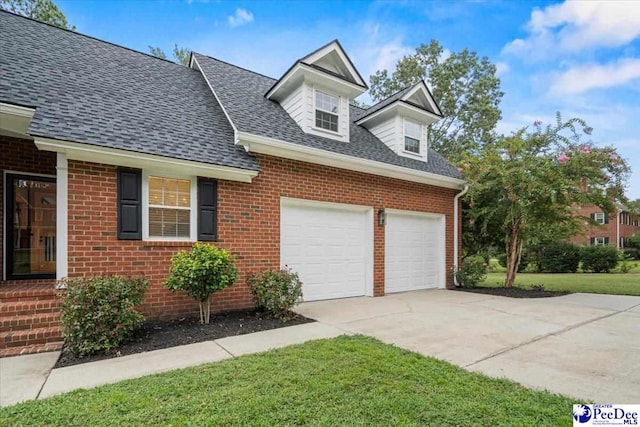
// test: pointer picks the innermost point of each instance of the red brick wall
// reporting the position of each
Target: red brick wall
(606, 230)
(21, 155)
(248, 224)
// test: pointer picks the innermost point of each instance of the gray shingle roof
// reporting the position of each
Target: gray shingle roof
(90, 91)
(380, 105)
(241, 92)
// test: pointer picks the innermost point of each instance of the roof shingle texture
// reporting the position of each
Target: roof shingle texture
(89, 91)
(241, 92)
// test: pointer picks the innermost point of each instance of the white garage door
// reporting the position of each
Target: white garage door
(329, 245)
(414, 251)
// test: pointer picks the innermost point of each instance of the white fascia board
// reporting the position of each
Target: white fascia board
(333, 46)
(118, 157)
(275, 147)
(339, 85)
(17, 110)
(396, 105)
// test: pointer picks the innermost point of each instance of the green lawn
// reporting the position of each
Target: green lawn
(347, 381)
(597, 283)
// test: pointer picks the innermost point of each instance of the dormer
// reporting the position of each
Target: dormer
(402, 121)
(317, 89)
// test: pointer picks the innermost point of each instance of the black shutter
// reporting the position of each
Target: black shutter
(207, 209)
(129, 204)
(606, 240)
(606, 218)
(593, 216)
(593, 241)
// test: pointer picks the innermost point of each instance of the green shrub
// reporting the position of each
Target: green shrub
(524, 260)
(276, 291)
(201, 272)
(495, 266)
(599, 259)
(98, 313)
(559, 258)
(472, 271)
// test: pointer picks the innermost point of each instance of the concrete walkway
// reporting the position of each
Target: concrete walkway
(32, 377)
(580, 345)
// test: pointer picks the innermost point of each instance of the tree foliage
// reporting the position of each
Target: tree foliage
(180, 54)
(40, 10)
(464, 85)
(536, 178)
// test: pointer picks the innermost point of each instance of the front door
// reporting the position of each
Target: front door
(30, 215)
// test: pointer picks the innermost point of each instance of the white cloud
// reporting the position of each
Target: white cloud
(502, 68)
(583, 78)
(576, 25)
(240, 17)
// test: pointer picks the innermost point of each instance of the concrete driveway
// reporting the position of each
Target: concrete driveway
(582, 345)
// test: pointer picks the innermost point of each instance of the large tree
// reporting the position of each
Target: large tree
(464, 85)
(534, 180)
(40, 10)
(180, 54)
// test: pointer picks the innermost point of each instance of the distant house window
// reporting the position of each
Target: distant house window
(169, 207)
(411, 137)
(327, 111)
(599, 217)
(599, 241)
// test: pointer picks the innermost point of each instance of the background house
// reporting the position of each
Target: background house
(613, 228)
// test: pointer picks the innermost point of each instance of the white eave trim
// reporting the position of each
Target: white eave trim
(396, 104)
(118, 157)
(274, 147)
(17, 110)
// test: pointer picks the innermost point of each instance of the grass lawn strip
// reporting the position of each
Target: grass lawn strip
(597, 283)
(349, 380)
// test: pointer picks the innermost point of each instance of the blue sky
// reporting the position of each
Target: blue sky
(579, 58)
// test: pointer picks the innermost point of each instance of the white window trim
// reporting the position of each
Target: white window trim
(315, 107)
(404, 136)
(596, 241)
(599, 217)
(193, 217)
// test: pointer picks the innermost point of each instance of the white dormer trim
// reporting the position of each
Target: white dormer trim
(422, 87)
(335, 46)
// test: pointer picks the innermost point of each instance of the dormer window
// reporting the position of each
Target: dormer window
(412, 133)
(327, 111)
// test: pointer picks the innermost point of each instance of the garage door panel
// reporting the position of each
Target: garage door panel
(328, 246)
(414, 250)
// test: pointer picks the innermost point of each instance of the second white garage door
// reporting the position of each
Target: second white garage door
(414, 251)
(330, 245)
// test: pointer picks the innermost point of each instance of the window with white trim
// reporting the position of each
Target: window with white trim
(599, 217)
(327, 107)
(599, 241)
(412, 138)
(169, 207)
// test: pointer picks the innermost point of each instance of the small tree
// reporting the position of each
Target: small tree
(200, 273)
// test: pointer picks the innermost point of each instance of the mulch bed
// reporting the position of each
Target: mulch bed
(157, 334)
(515, 292)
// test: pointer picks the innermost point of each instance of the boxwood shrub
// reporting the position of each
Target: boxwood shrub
(559, 258)
(599, 259)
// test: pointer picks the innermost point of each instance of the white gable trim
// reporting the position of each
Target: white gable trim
(422, 86)
(334, 46)
(402, 104)
(118, 157)
(275, 147)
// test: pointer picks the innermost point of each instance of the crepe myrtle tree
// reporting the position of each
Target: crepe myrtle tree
(201, 272)
(535, 178)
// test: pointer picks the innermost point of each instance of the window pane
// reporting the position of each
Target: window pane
(169, 192)
(326, 121)
(412, 129)
(411, 144)
(169, 222)
(326, 102)
(32, 212)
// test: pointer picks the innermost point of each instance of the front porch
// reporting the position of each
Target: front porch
(31, 244)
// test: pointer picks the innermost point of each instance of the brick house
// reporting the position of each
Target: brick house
(610, 229)
(113, 160)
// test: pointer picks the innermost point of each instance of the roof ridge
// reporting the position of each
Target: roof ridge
(89, 37)
(235, 66)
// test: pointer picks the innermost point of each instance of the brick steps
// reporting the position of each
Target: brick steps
(29, 319)
(31, 349)
(26, 337)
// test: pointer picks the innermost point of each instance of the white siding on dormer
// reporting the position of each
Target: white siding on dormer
(423, 143)
(310, 122)
(388, 132)
(294, 105)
